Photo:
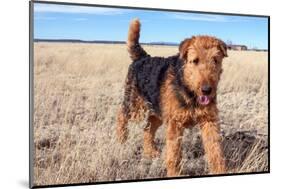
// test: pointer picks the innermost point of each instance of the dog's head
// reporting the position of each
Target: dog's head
(202, 65)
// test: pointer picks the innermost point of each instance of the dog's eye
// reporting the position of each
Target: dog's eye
(215, 60)
(195, 61)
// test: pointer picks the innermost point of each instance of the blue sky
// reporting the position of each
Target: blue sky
(52, 21)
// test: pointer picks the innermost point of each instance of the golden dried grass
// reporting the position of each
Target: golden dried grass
(78, 88)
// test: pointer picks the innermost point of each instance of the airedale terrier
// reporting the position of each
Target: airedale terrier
(178, 91)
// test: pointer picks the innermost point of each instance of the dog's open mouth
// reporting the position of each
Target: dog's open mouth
(203, 100)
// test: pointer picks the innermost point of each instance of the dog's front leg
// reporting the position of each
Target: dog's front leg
(173, 140)
(212, 145)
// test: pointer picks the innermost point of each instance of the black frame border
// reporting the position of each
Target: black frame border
(31, 93)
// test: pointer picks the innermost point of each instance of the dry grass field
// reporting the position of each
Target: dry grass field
(78, 88)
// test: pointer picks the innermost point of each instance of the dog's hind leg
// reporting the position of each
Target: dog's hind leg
(150, 150)
(129, 107)
(122, 130)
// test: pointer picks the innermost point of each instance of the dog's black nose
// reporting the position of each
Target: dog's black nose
(206, 89)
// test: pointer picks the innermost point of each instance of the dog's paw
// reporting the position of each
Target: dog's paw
(152, 153)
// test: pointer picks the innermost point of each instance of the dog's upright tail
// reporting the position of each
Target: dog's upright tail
(135, 50)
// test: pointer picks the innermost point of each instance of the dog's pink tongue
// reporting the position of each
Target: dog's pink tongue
(204, 100)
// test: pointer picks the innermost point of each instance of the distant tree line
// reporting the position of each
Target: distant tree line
(100, 41)
(229, 43)
(238, 47)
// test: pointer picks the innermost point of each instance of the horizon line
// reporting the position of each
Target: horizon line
(123, 42)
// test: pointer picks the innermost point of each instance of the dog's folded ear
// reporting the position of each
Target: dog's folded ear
(223, 48)
(183, 48)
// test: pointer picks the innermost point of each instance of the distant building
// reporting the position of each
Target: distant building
(237, 47)
(259, 50)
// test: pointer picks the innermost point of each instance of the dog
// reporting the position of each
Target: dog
(179, 92)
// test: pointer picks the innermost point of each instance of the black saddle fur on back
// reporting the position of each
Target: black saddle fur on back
(149, 74)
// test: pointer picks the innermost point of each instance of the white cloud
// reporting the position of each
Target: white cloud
(57, 18)
(200, 17)
(44, 18)
(76, 9)
(211, 17)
